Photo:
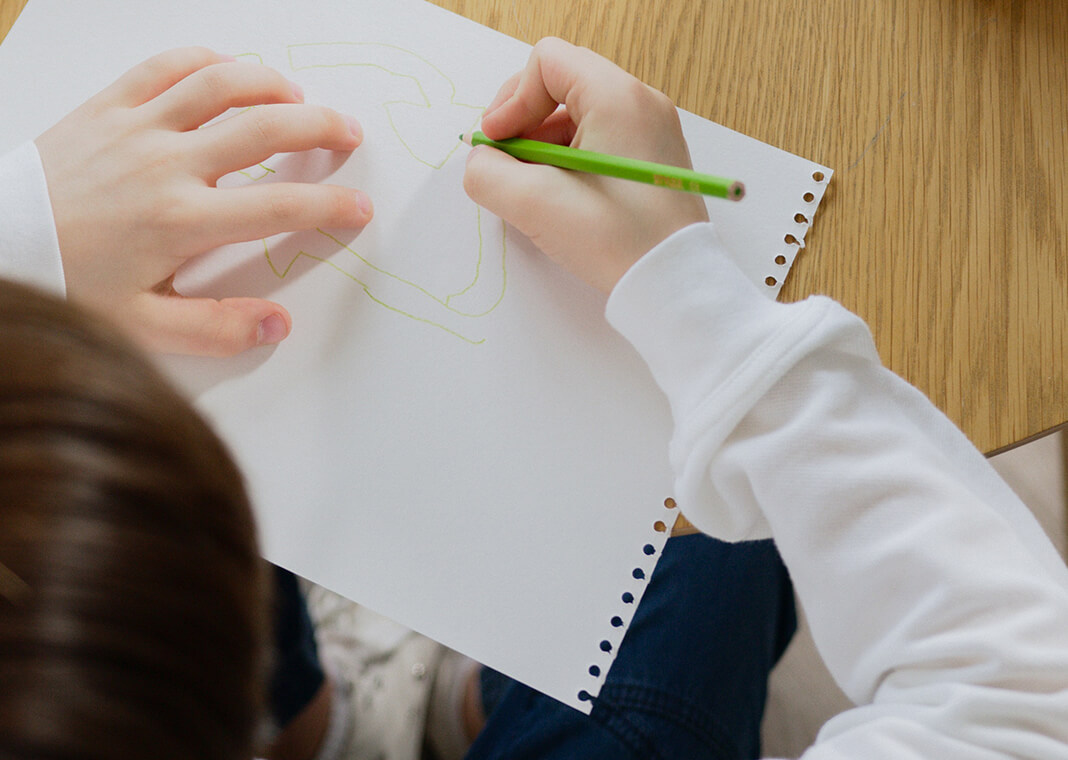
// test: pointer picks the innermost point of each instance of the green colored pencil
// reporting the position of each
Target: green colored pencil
(662, 175)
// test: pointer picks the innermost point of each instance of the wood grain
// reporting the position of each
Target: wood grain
(946, 224)
(9, 11)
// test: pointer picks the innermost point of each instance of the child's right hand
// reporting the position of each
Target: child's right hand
(596, 227)
(131, 177)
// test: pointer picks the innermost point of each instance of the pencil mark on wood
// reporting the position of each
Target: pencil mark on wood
(878, 132)
(519, 21)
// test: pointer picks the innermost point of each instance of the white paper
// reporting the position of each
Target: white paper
(452, 435)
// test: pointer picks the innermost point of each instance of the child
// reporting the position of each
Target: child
(130, 183)
(937, 603)
(131, 188)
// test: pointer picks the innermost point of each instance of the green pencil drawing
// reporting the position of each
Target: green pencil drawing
(408, 298)
(420, 105)
(424, 93)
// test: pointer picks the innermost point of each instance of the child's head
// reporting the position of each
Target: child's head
(132, 595)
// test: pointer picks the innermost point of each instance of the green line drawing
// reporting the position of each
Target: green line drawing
(425, 87)
(425, 116)
(264, 171)
(425, 307)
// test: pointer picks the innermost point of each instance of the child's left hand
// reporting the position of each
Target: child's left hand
(131, 177)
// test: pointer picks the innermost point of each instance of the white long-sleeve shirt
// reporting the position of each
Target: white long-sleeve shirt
(937, 602)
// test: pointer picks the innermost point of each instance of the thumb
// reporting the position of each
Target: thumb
(205, 327)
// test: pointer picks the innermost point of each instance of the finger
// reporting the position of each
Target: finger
(504, 93)
(259, 133)
(212, 90)
(557, 72)
(538, 199)
(558, 129)
(521, 104)
(504, 186)
(253, 212)
(158, 74)
(206, 327)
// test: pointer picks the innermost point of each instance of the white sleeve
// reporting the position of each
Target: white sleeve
(29, 247)
(935, 599)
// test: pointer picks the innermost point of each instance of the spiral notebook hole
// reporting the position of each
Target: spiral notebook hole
(606, 646)
(771, 282)
(780, 260)
(649, 550)
(660, 526)
(628, 598)
(595, 671)
(638, 573)
(791, 240)
(817, 176)
(800, 218)
(809, 197)
(670, 503)
(617, 622)
(584, 696)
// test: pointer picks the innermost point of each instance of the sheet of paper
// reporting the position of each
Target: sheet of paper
(452, 435)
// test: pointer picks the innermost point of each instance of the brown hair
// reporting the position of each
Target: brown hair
(132, 595)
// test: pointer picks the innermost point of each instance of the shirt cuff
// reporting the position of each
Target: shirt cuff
(29, 245)
(715, 344)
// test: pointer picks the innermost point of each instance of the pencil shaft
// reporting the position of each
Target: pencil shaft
(576, 159)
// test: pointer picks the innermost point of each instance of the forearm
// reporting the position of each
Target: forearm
(931, 592)
(29, 248)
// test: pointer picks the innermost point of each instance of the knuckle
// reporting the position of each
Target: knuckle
(174, 217)
(315, 120)
(216, 82)
(336, 205)
(222, 334)
(178, 60)
(529, 103)
(226, 341)
(635, 91)
(549, 47)
(198, 55)
(158, 65)
(659, 101)
(343, 205)
(284, 205)
(325, 121)
(637, 102)
(264, 126)
(177, 213)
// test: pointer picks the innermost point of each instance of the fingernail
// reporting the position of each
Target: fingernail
(272, 330)
(355, 128)
(226, 57)
(298, 91)
(364, 202)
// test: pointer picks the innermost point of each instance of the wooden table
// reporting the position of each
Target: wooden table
(946, 223)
